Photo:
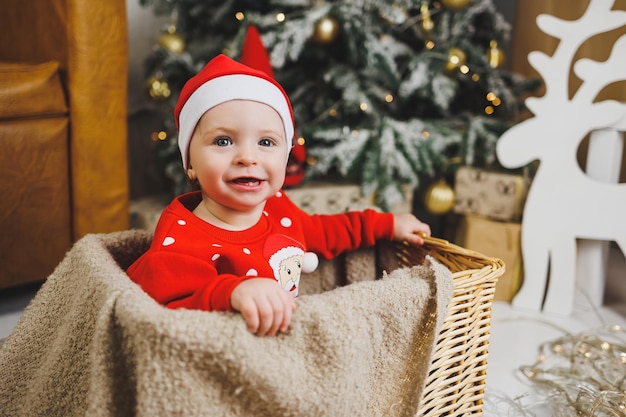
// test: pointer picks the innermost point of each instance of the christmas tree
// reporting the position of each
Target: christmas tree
(385, 92)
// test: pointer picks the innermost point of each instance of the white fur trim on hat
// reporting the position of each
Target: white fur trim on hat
(282, 254)
(226, 88)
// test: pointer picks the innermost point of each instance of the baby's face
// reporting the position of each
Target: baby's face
(238, 153)
(289, 273)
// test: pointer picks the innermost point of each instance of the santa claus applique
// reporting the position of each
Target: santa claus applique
(288, 260)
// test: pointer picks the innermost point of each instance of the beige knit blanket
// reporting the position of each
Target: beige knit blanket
(92, 343)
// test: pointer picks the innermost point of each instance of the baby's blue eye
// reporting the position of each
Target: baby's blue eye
(223, 141)
(266, 142)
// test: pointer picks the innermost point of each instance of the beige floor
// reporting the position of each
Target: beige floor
(516, 336)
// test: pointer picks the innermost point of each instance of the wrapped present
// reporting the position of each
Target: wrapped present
(329, 198)
(497, 239)
(497, 195)
(145, 212)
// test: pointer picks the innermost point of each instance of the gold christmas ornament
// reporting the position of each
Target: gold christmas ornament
(439, 197)
(172, 41)
(456, 4)
(158, 89)
(456, 58)
(326, 30)
(495, 56)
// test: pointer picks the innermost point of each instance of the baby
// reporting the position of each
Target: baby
(239, 243)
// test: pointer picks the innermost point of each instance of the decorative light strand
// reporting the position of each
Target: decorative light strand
(584, 375)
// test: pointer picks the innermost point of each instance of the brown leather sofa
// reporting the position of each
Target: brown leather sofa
(63, 130)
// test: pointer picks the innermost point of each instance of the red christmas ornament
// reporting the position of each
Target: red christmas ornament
(253, 52)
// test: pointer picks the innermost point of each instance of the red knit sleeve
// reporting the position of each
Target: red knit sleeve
(331, 235)
(178, 280)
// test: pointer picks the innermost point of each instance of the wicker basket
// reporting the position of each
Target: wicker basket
(455, 385)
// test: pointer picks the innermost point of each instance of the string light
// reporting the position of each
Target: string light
(583, 374)
(158, 136)
(425, 134)
(240, 16)
(388, 98)
(280, 17)
(363, 106)
(429, 44)
(495, 100)
(464, 69)
(332, 112)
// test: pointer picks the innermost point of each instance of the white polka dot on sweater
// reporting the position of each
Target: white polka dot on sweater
(216, 245)
(246, 251)
(286, 222)
(168, 241)
(279, 194)
(252, 273)
(215, 257)
(181, 222)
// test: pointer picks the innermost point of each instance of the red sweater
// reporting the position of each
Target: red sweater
(196, 265)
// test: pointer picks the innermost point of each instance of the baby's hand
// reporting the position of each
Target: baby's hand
(265, 306)
(408, 227)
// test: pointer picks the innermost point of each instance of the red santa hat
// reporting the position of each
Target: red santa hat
(221, 80)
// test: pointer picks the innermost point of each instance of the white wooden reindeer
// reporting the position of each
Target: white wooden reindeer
(564, 204)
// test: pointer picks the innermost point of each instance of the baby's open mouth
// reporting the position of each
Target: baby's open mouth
(247, 181)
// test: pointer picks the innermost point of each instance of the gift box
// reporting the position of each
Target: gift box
(497, 239)
(329, 198)
(145, 212)
(493, 194)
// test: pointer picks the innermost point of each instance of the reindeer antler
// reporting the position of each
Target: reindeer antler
(598, 18)
(595, 76)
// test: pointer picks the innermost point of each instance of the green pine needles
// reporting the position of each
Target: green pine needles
(384, 92)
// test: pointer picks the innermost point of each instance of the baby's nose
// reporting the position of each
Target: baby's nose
(246, 155)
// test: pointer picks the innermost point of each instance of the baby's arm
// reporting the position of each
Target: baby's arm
(265, 306)
(410, 228)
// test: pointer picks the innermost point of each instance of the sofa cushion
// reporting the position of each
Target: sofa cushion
(31, 90)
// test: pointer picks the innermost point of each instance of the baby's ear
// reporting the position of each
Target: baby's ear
(193, 179)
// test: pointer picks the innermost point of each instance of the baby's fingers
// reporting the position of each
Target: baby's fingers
(270, 316)
(275, 314)
(250, 314)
